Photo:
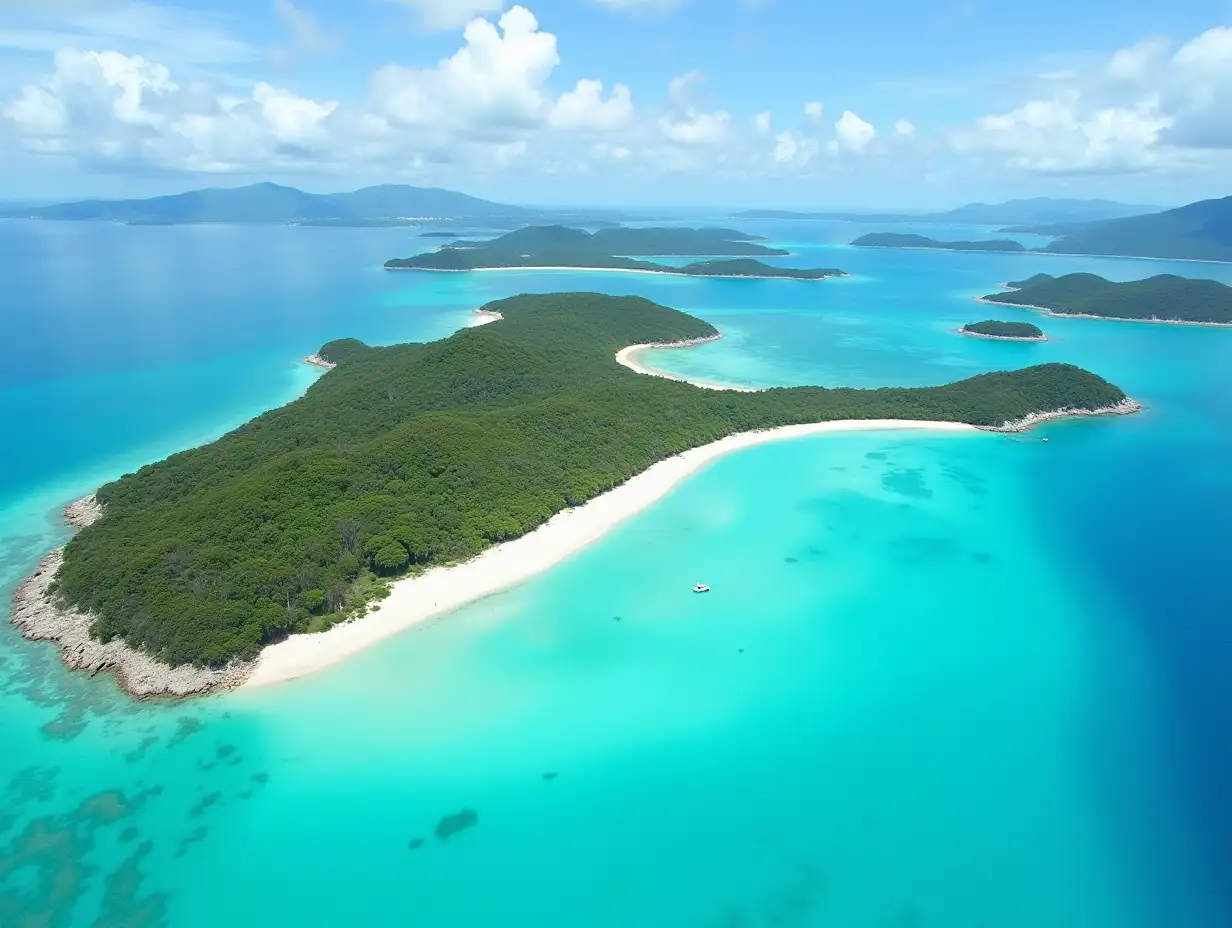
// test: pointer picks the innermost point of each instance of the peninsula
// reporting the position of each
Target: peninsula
(897, 240)
(1165, 298)
(460, 466)
(552, 247)
(1005, 331)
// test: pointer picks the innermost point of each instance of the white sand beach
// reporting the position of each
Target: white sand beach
(631, 358)
(417, 600)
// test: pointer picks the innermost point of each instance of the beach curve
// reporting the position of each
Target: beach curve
(418, 600)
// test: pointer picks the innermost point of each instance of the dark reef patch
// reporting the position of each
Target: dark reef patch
(451, 825)
(196, 836)
(908, 482)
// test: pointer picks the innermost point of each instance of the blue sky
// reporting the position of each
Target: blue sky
(798, 103)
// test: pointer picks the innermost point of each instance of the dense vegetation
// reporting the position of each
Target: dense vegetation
(415, 455)
(996, 329)
(558, 246)
(1200, 230)
(751, 267)
(896, 240)
(1165, 298)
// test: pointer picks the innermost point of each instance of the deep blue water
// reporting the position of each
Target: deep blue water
(943, 680)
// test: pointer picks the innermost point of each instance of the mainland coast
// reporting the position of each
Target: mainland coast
(417, 600)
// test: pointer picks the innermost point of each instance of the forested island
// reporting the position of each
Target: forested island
(612, 249)
(1165, 298)
(410, 456)
(897, 240)
(1009, 331)
(1200, 231)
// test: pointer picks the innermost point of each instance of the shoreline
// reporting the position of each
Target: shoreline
(317, 361)
(629, 357)
(39, 617)
(617, 270)
(416, 601)
(1127, 407)
(1044, 310)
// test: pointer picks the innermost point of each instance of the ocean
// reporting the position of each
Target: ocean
(961, 680)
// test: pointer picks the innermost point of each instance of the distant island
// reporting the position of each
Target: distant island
(1165, 298)
(609, 249)
(386, 205)
(1006, 331)
(1200, 232)
(896, 240)
(440, 234)
(1035, 211)
(407, 458)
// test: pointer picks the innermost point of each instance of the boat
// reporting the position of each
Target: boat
(701, 588)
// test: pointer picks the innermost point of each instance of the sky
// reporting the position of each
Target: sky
(773, 103)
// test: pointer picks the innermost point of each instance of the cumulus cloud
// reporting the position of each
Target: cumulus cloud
(763, 122)
(584, 107)
(814, 110)
(852, 133)
(1146, 107)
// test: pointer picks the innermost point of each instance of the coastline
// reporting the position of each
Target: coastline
(1127, 407)
(317, 361)
(39, 617)
(1056, 315)
(629, 357)
(615, 270)
(417, 600)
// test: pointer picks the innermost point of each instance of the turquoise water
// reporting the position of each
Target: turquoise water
(959, 680)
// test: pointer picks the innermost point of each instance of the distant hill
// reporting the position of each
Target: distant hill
(272, 203)
(1201, 231)
(895, 240)
(1166, 298)
(1010, 213)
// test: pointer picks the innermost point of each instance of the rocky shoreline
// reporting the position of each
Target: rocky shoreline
(40, 617)
(1127, 407)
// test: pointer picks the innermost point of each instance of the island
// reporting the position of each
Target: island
(1165, 298)
(897, 240)
(559, 247)
(516, 441)
(1005, 331)
(1200, 231)
(1035, 211)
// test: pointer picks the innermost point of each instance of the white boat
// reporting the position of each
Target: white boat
(701, 588)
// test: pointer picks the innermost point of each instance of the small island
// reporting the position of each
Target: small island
(561, 248)
(897, 240)
(1005, 331)
(1162, 299)
(407, 458)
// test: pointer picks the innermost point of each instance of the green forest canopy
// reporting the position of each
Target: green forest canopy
(999, 329)
(558, 246)
(423, 454)
(1166, 297)
(901, 240)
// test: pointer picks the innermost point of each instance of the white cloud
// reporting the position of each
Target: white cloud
(814, 110)
(790, 149)
(763, 122)
(853, 133)
(451, 14)
(1145, 108)
(904, 129)
(693, 127)
(584, 107)
(496, 82)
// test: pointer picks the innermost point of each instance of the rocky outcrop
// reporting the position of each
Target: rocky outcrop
(1126, 407)
(41, 616)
